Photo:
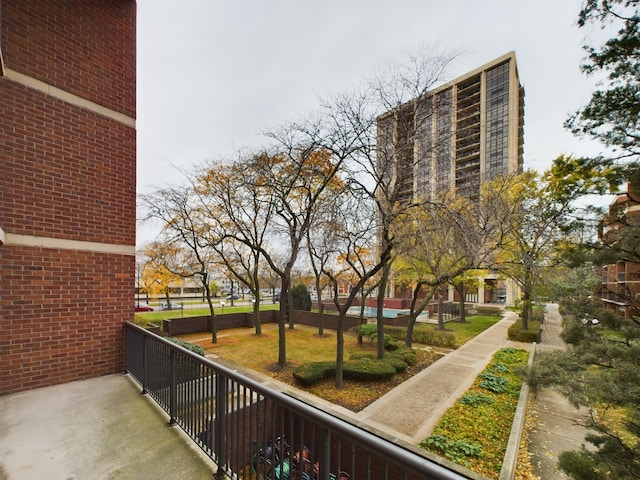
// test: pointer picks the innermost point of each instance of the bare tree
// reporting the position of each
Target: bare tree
(184, 230)
(238, 221)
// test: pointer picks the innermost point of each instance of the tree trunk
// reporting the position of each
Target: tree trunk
(256, 314)
(320, 308)
(340, 351)
(412, 321)
(440, 313)
(212, 315)
(526, 309)
(282, 322)
(379, 317)
(463, 309)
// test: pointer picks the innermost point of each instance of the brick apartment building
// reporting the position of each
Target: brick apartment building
(619, 289)
(67, 188)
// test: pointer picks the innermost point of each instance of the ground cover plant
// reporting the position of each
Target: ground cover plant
(475, 431)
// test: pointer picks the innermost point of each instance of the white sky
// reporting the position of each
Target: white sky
(213, 74)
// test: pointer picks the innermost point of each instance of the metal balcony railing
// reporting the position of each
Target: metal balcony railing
(253, 432)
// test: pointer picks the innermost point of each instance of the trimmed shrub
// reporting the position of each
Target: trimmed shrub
(531, 335)
(436, 338)
(407, 354)
(360, 355)
(192, 347)
(365, 369)
(368, 329)
(310, 373)
(396, 362)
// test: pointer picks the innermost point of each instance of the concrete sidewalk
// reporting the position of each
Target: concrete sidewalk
(557, 423)
(101, 428)
(410, 411)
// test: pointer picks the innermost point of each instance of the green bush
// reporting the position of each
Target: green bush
(531, 335)
(359, 355)
(365, 369)
(408, 354)
(396, 362)
(435, 338)
(367, 329)
(186, 368)
(370, 330)
(310, 373)
(301, 298)
(192, 347)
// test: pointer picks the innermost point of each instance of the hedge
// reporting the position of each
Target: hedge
(358, 367)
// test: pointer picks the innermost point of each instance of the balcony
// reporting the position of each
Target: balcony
(223, 423)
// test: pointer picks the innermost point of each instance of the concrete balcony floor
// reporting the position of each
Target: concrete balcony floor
(100, 428)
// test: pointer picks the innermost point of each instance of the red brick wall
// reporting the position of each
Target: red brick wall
(68, 173)
(65, 319)
(86, 47)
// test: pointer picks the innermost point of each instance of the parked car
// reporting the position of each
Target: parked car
(233, 296)
(142, 308)
(172, 306)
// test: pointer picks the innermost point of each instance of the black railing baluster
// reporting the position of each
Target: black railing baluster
(234, 418)
(220, 425)
(173, 386)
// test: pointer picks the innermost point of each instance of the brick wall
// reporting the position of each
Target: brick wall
(85, 47)
(68, 173)
(67, 191)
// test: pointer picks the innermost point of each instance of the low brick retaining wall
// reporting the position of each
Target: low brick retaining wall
(183, 326)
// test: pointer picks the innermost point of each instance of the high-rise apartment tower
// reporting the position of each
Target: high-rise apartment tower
(459, 135)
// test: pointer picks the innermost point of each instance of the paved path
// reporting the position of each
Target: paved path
(557, 427)
(411, 410)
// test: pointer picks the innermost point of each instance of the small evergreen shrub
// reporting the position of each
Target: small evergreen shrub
(186, 368)
(396, 362)
(310, 373)
(192, 347)
(368, 329)
(365, 369)
(408, 354)
(301, 298)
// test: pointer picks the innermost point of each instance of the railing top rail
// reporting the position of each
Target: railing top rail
(368, 439)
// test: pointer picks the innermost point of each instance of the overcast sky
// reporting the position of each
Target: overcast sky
(213, 74)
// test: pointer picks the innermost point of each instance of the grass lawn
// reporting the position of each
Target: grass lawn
(144, 318)
(473, 326)
(260, 353)
(243, 347)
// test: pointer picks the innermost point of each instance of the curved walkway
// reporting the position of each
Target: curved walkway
(411, 410)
